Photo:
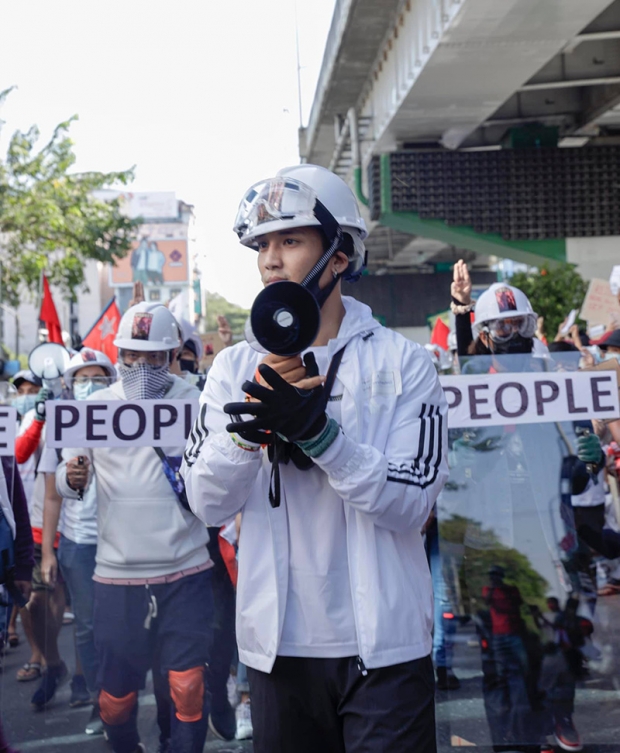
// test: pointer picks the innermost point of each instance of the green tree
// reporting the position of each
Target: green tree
(49, 218)
(553, 292)
(474, 563)
(217, 305)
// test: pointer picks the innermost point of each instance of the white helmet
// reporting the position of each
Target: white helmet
(147, 327)
(502, 301)
(88, 357)
(289, 200)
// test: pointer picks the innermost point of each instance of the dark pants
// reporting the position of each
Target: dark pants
(328, 705)
(178, 638)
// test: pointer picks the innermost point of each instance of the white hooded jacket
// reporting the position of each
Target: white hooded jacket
(143, 530)
(387, 465)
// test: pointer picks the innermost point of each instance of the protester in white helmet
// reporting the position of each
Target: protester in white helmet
(89, 371)
(152, 564)
(505, 324)
(334, 604)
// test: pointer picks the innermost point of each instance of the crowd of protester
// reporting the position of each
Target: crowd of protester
(143, 543)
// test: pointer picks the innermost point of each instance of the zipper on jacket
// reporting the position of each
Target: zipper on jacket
(361, 666)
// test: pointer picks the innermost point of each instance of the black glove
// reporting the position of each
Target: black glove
(290, 412)
(39, 404)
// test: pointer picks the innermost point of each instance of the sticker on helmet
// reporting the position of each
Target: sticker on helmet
(88, 356)
(141, 326)
(505, 300)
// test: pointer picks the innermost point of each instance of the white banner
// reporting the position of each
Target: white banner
(119, 423)
(530, 398)
(8, 429)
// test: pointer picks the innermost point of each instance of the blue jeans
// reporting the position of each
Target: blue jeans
(445, 627)
(77, 563)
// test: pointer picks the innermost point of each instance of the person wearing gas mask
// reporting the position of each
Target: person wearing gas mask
(89, 372)
(334, 599)
(152, 576)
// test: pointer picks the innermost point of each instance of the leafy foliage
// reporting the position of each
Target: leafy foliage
(49, 219)
(553, 292)
(473, 564)
(217, 305)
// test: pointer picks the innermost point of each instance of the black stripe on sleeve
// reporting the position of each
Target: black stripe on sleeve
(417, 473)
(197, 437)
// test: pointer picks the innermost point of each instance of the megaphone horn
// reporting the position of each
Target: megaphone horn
(48, 361)
(284, 320)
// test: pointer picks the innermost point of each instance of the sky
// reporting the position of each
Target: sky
(201, 96)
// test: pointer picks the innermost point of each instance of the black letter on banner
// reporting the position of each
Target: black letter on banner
(570, 394)
(59, 424)
(158, 424)
(91, 421)
(3, 445)
(597, 393)
(458, 396)
(116, 422)
(474, 401)
(524, 400)
(541, 399)
(188, 419)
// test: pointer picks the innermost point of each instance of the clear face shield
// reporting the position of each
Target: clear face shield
(502, 330)
(278, 199)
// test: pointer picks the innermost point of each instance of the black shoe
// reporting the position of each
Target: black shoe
(222, 722)
(95, 725)
(79, 692)
(447, 680)
(50, 682)
(566, 736)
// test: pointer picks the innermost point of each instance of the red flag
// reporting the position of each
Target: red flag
(49, 315)
(440, 334)
(101, 335)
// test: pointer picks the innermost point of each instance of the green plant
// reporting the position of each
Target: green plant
(50, 219)
(216, 305)
(553, 292)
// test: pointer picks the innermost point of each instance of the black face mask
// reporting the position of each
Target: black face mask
(188, 365)
(516, 344)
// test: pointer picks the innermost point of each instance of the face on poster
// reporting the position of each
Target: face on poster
(153, 261)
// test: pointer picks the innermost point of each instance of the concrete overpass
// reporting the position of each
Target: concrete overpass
(411, 76)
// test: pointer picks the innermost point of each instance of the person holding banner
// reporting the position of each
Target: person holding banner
(89, 371)
(153, 602)
(334, 599)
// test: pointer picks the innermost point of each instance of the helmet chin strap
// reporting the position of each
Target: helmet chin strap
(334, 232)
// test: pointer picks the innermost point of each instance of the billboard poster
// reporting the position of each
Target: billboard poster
(159, 256)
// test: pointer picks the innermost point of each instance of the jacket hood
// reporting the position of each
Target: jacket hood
(358, 320)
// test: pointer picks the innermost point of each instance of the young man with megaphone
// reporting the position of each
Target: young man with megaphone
(335, 455)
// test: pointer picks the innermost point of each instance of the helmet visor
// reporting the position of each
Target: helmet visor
(501, 330)
(273, 200)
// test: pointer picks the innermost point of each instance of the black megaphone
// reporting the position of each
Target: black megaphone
(284, 320)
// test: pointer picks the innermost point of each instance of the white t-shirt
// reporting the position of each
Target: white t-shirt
(593, 495)
(319, 621)
(78, 517)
